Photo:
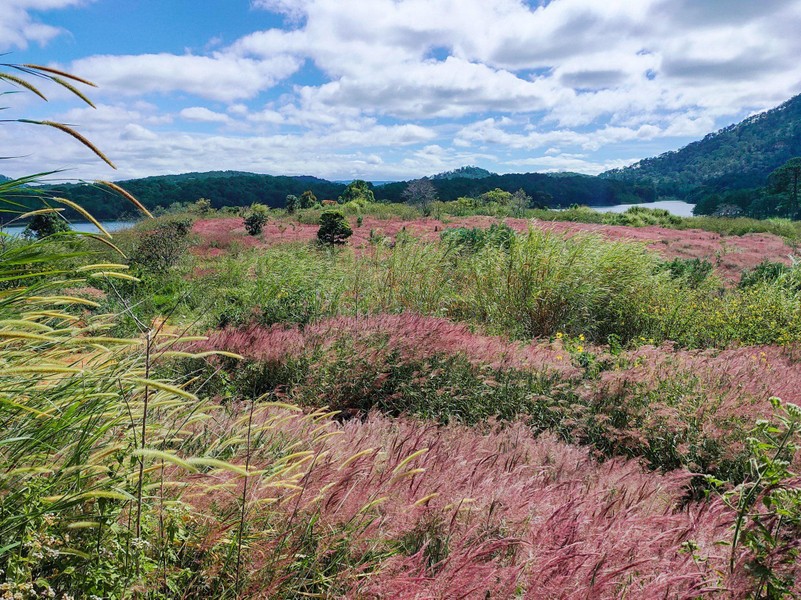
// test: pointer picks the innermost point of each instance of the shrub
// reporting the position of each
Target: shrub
(162, 246)
(307, 199)
(764, 272)
(46, 224)
(357, 189)
(693, 272)
(256, 219)
(334, 228)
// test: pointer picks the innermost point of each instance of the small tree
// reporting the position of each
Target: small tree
(421, 193)
(292, 203)
(46, 224)
(496, 196)
(307, 199)
(202, 207)
(162, 247)
(334, 228)
(357, 190)
(256, 218)
(520, 201)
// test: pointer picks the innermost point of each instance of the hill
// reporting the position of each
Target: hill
(236, 188)
(223, 188)
(740, 156)
(547, 190)
(468, 172)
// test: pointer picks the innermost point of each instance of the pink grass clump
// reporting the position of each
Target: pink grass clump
(474, 514)
(703, 402)
(412, 336)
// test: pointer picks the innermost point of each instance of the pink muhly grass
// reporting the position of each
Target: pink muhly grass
(412, 336)
(263, 344)
(496, 511)
(735, 383)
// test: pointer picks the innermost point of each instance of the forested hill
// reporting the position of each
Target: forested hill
(547, 190)
(740, 156)
(223, 188)
(233, 188)
(469, 172)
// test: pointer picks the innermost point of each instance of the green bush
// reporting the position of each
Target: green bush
(334, 228)
(693, 271)
(44, 225)
(764, 272)
(256, 218)
(161, 246)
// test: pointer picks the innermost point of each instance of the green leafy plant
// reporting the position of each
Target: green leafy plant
(357, 190)
(162, 246)
(693, 271)
(256, 218)
(46, 224)
(768, 504)
(334, 228)
(765, 272)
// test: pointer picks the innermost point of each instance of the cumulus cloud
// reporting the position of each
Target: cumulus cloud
(433, 82)
(204, 115)
(577, 163)
(18, 28)
(377, 55)
(221, 76)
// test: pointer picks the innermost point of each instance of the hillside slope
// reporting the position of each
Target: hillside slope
(740, 156)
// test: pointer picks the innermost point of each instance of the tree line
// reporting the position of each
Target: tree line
(245, 189)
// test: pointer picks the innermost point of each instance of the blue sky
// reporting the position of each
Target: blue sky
(391, 89)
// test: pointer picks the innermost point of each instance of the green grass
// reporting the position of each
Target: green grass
(540, 284)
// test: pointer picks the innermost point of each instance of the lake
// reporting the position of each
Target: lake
(82, 227)
(674, 207)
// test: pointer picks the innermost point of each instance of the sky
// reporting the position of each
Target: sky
(388, 89)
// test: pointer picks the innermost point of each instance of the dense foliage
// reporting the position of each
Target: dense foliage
(334, 228)
(557, 190)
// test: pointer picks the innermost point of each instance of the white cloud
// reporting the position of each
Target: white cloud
(622, 56)
(223, 77)
(204, 115)
(398, 85)
(576, 163)
(18, 28)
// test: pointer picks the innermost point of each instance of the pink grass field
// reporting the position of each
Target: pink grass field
(743, 378)
(481, 513)
(412, 335)
(731, 254)
(695, 397)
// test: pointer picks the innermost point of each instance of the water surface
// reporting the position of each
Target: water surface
(87, 227)
(674, 207)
